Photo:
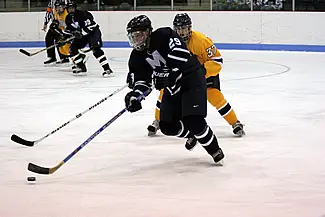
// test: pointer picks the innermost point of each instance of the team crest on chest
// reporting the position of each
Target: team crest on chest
(156, 60)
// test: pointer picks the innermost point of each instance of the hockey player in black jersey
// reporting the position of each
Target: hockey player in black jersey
(82, 25)
(162, 57)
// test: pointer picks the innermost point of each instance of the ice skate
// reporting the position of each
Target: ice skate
(63, 62)
(190, 143)
(50, 61)
(153, 128)
(108, 73)
(79, 71)
(238, 129)
(218, 156)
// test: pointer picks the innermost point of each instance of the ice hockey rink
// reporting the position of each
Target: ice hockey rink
(277, 169)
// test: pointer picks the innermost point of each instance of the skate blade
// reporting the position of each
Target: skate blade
(110, 75)
(63, 64)
(240, 134)
(150, 133)
(220, 163)
(190, 149)
(50, 64)
(79, 74)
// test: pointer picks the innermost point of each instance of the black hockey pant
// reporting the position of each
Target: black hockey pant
(50, 38)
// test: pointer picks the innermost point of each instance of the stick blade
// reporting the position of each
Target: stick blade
(37, 169)
(21, 141)
(24, 52)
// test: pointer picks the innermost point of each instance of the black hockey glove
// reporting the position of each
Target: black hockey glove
(63, 40)
(66, 34)
(54, 25)
(173, 86)
(131, 102)
(160, 77)
(130, 80)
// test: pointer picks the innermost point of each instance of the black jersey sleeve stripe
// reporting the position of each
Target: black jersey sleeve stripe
(177, 58)
(179, 54)
(180, 49)
(141, 87)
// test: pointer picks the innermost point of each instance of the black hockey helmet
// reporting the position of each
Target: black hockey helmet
(71, 5)
(60, 5)
(139, 23)
(183, 26)
(139, 29)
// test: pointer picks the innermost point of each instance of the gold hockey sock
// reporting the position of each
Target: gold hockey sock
(216, 98)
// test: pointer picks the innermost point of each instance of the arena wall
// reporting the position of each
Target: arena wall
(295, 31)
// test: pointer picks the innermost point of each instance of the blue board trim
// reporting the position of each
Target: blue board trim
(223, 46)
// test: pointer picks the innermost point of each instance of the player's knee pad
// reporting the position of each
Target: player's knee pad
(213, 82)
(195, 123)
(169, 128)
(175, 128)
(98, 52)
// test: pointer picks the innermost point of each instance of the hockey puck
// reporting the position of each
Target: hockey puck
(31, 179)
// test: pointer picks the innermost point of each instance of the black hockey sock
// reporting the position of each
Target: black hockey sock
(208, 140)
(202, 133)
(100, 56)
(183, 131)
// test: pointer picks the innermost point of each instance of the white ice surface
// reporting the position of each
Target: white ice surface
(277, 169)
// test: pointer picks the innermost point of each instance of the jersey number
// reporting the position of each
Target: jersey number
(173, 41)
(211, 51)
(87, 22)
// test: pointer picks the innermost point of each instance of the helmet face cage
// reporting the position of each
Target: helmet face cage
(183, 26)
(139, 39)
(71, 6)
(59, 9)
(139, 30)
(184, 32)
(60, 6)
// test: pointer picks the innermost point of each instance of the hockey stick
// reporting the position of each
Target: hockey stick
(44, 49)
(46, 171)
(22, 141)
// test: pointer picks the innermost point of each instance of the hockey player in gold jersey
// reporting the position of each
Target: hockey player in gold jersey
(60, 13)
(57, 14)
(208, 55)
